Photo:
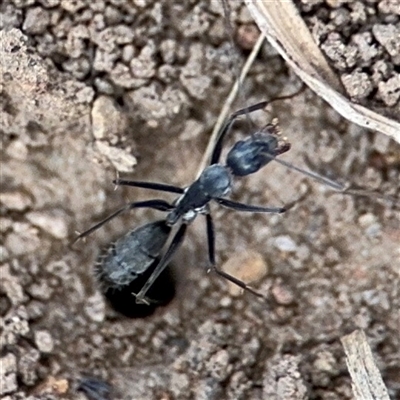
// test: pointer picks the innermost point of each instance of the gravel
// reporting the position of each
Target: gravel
(361, 40)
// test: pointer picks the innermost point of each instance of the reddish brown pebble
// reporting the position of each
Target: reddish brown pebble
(247, 36)
(282, 294)
(52, 386)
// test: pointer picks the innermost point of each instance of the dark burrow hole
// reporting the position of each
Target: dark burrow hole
(160, 294)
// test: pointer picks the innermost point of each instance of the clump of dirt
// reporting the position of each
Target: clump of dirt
(361, 40)
(93, 87)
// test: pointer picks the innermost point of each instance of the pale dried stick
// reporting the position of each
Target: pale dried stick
(366, 379)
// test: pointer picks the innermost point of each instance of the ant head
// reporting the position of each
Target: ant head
(248, 156)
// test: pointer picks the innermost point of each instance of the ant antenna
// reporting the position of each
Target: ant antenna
(329, 182)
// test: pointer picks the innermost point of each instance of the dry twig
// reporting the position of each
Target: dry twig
(366, 378)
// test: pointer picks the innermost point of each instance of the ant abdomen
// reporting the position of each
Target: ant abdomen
(131, 255)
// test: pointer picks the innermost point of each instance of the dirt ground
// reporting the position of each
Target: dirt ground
(93, 87)
(360, 39)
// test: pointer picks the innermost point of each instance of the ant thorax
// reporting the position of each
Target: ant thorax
(214, 182)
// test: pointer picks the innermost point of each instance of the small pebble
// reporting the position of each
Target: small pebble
(121, 159)
(366, 220)
(282, 294)
(15, 200)
(18, 150)
(8, 374)
(44, 341)
(225, 301)
(325, 362)
(24, 239)
(179, 384)
(389, 91)
(36, 21)
(389, 37)
(95, 307)
(285, 243)
(358, 84)
(53, 386)
(218, 366)
(107, 119)
(52, 222)
(248, 266)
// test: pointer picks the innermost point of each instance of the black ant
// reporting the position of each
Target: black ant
(132, 254)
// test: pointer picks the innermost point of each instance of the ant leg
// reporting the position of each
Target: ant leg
(227, 127)
(160, 205)
(211, 256)
(234, 205)
(150, 185)
(210, 239)
(165, 259)
(247, 110)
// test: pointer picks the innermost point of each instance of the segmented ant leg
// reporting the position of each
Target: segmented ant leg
(211, 256)
(247, 110)
(149, 185)
(160, 205)
(227, 127)
(165, 259)
(210, 238)
(234, 205)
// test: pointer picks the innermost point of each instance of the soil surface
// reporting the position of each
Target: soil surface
(89, 88)
(361, 40)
